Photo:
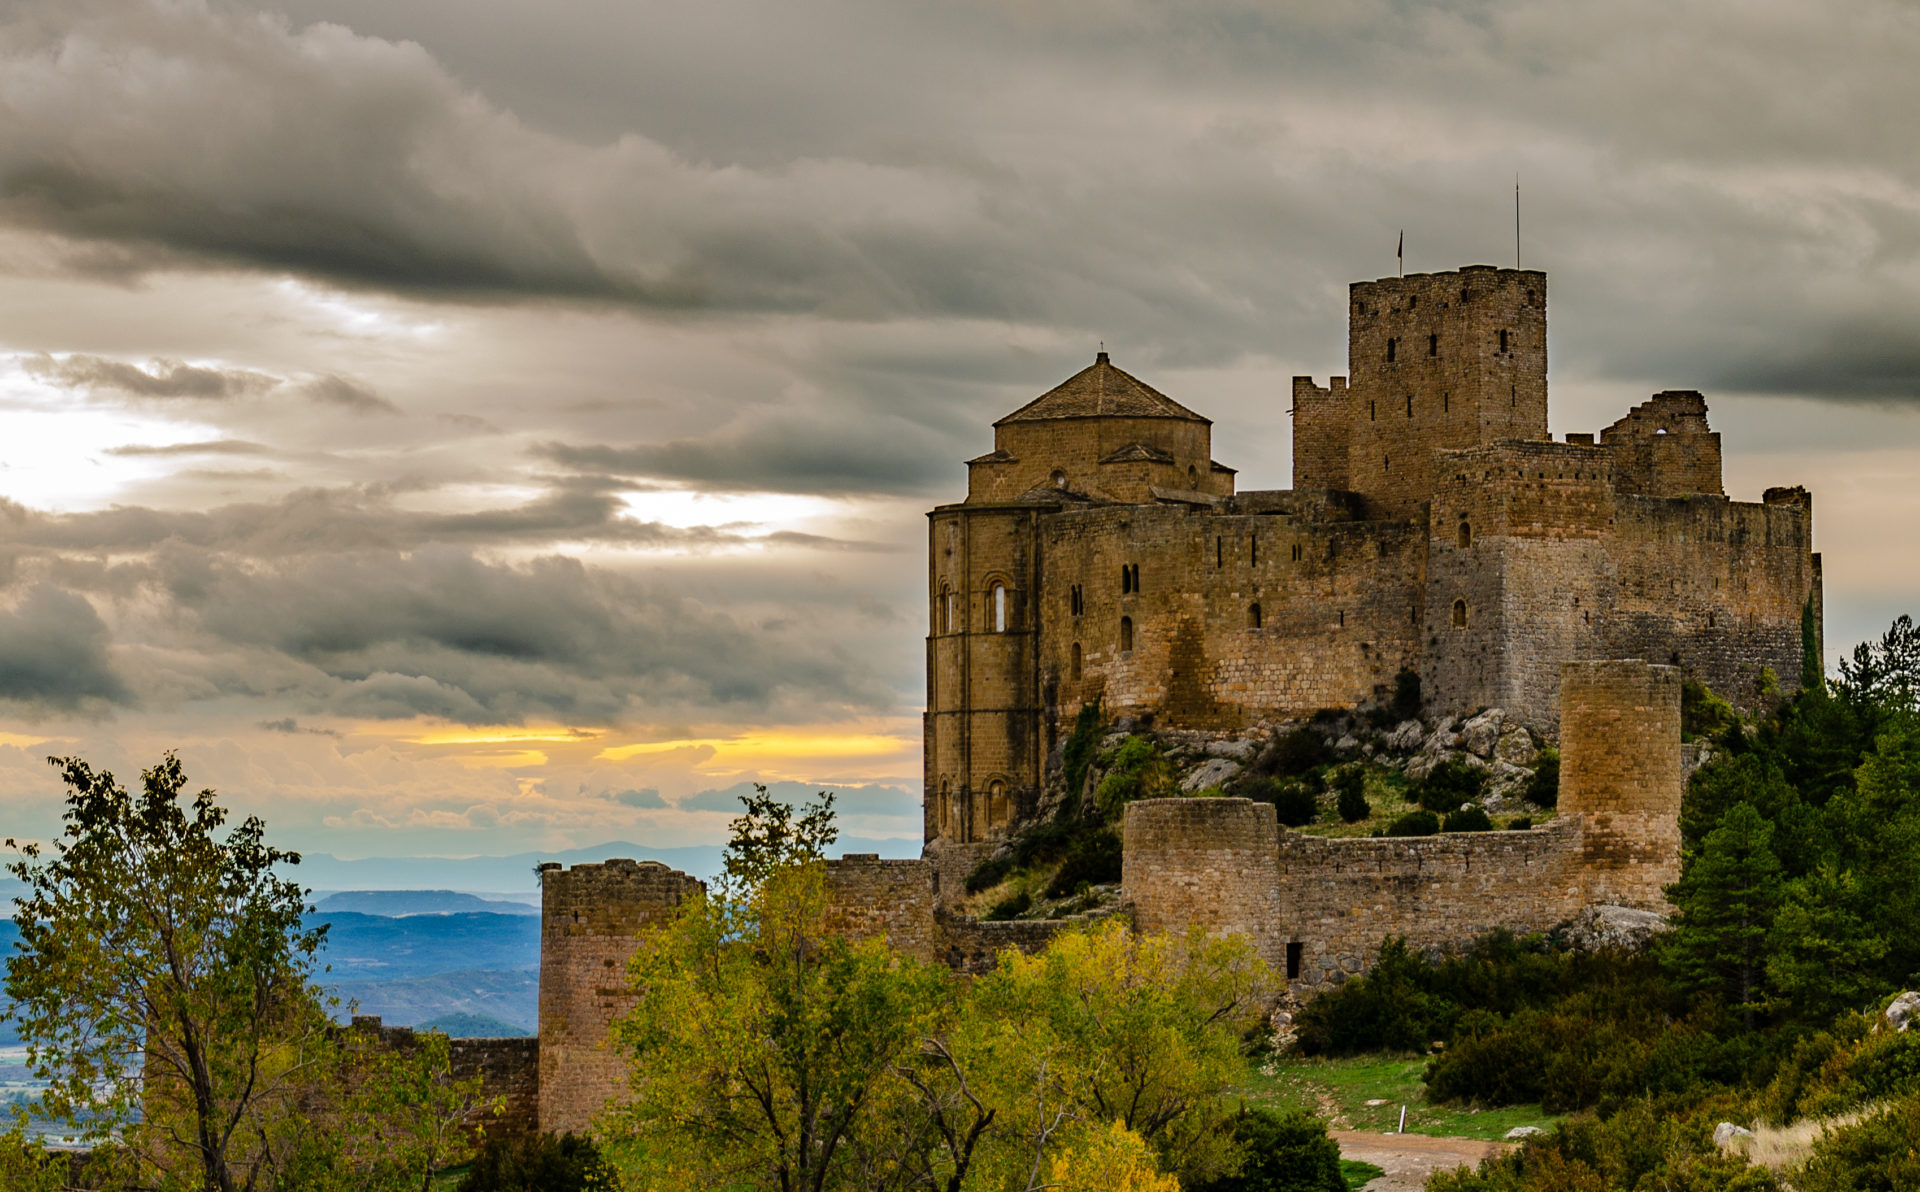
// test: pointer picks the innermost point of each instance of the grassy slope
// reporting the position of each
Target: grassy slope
(1338, 1091)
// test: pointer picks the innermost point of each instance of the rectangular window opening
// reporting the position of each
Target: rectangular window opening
(1293, 961)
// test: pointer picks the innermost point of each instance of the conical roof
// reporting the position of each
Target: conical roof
(1101, 391)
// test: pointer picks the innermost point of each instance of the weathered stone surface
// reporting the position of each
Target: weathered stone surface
(1479, 735)
(1902, 1011)
(1214, 772)
(1620, 927)
(1521, 1133)
(1728, 1136)
(1433, 527)
(1516, 747)
(1405, 737)
(1239, 749)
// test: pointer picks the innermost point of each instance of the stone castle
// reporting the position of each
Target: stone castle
(1434, 527)
(1102, 555)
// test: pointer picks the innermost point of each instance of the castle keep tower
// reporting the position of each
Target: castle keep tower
(1434, 526)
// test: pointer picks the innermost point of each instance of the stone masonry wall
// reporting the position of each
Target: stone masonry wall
(893, 900)
(508, 1069)
(1320, 434)
(1318, 908)
(591, 920)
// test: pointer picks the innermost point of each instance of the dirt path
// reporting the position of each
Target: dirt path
(1410, 1158)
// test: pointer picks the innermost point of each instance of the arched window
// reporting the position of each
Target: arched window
(1193, 476)
(1459, 614)
(1126, 635)
(944, 811)
(1073, 665)
(946, 608)
(999, 608)
(997, 804)
(1059, 478)
(1253, 616)
(1126, 579)
(1466, 535)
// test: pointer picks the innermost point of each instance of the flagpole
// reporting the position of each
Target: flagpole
(1516, 221)
(1400, 252)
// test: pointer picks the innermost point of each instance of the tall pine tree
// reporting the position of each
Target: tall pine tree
(1727, 897)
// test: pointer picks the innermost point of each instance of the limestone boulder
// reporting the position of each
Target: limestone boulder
(1728, 1136)
(1214, 771)
(1508, 780)
(1347, 744)
(1614, 927)
(1238, 750)
(1479, 735)
(1442, 738)
(1516, 747)
(1522, 1133)
(1903, 1010)
(1405, 737)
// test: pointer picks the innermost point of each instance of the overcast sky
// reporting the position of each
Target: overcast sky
(463, 427)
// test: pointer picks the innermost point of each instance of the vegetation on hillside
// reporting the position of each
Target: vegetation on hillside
(1762, 1006)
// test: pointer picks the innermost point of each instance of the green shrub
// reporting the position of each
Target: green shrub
(1094, 859)
(1543, 789)
(1350, 783)
(1293, 801)
(1076, 756)
(989, 872)
(1136, 771)
(1011, 907)
(1521, 825)
(1467, 819)
(1415, 823)
(1704, 714)
(1281, 1152)
(1450, 784)
(1384, 1010)
(542, 1163)
(1875, 1155)
(1293, 754)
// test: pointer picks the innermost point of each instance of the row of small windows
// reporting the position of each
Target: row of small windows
(1433, 346)
(1413, 302)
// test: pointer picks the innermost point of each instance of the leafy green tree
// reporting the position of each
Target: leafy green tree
(541, 1163)
(1449, 785)
(1415, 823)
(770, 837)
(1350, 789)
(1727, 898)
(161, 963)
(1825, 951)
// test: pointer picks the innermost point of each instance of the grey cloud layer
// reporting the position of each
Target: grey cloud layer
(1200, 178)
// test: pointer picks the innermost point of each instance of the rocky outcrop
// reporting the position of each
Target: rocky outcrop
(1614, 927)
(1902, 1011)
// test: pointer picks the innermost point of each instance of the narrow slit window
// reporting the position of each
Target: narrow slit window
(1391, 345)
(1253, 549)
(999, 608)
(946, 608)
(1503, 341)
(1466, 535)
(1433, 345)
(1459, 614)
(1409, 405)
(1253, 616)
(1126, 635)
(1126, 579)
(1073, 666)
(1219, 552)
(1386, 463)
(1371, 416)
(1134, 570)
(1293, 961)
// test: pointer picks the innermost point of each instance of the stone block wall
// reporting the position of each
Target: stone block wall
(1318, 908)
(591, 920)
(508, 1069)
(1621, 777)
(893, 900)
(1320, 434)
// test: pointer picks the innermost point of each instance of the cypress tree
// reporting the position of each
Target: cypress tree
(1728, 896)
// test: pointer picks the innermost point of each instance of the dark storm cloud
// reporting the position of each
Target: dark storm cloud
(767, 451)
(357, 519)
(161, 379)
(440, 632)
(207, 447)
(54, 653)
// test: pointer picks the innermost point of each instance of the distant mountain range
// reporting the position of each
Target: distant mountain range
(377, 947)
(399, 904)
(513, 877)
(510, 997)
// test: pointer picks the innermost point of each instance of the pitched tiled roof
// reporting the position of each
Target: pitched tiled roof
(1101, 390)
(996, 456)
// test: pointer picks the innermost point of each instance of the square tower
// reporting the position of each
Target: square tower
(1440, 361)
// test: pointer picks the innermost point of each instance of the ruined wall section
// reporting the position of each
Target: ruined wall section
(591, 921)
(1664, 448)
(1320, 424)
(1237, 616)
(985, 743)
(1714, 586)
(1440, 361)
(508, 1069)
(1319, 908)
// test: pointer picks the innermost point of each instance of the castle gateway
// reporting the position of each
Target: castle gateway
(1433, 526)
